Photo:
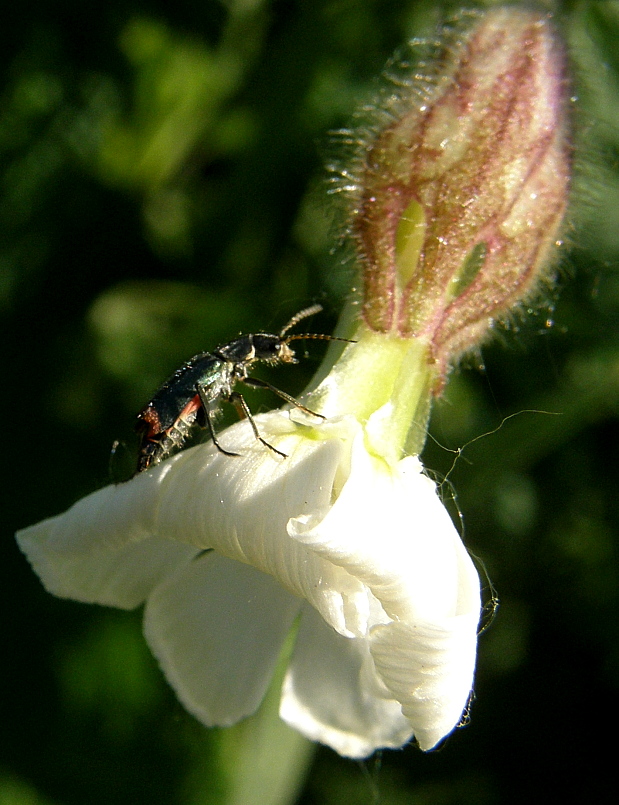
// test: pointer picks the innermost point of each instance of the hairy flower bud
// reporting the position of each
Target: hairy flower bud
(460, 196)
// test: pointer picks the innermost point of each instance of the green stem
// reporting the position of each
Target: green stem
(382, 380)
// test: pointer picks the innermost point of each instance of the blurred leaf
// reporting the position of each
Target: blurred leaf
(155, 164)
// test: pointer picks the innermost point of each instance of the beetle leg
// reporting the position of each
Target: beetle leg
(262, 384)
(208, 416)
(242, 409)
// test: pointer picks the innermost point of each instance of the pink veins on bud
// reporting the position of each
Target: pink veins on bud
(461, 196)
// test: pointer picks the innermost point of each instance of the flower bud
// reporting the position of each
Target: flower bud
(460, 197)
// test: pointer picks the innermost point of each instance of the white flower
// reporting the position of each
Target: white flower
(228, 553)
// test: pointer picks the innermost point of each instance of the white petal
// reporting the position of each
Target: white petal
(429, 668)
(331, 693)
(109, 518)
(100, 550)
(201, 498)
(389, 530)
(217, 628)
(241, 506)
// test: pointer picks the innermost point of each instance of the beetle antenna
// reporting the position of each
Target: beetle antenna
(317, 336)
(302, 314)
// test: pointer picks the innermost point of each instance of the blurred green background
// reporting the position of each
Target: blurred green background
(161, 190)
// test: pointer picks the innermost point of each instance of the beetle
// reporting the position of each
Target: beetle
(191, 397)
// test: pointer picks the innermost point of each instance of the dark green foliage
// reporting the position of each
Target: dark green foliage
(158, 196)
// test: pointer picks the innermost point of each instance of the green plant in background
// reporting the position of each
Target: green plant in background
(456, 206)
(542, 524)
